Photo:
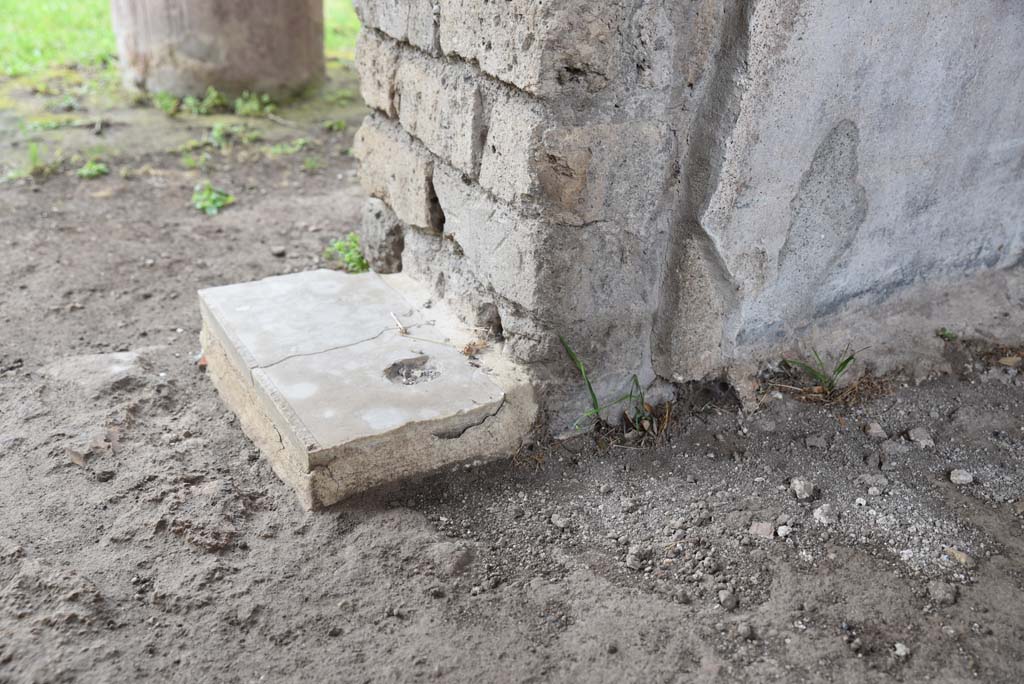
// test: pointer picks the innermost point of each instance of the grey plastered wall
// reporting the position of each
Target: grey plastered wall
(871, 146)
(677, 187)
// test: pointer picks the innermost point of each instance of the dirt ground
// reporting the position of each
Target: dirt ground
(143, 538)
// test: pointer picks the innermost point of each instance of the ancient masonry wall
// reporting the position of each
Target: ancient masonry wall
(678, 186)
(502, 157)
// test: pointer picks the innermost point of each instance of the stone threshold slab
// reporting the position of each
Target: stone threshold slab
(348, 382)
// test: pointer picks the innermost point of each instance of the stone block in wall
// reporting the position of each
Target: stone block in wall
(377, 61)
(440, 262)
(539, 47)
(409, 21)
(605, 171)
(441, 104)
(395, 168)
(499, 244)
(383, 237)
(514, 127)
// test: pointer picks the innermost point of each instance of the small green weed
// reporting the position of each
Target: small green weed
(312, 164)
(335, 125)
(50, 124)
(222, 135)
(946, 335)
(827, 377)
(254, 104)
(92, 169)
(211, 103)
(190, 160)
(288, 148)
(209, 199)
(638, 413)
(166, 103)
(347, 254)
(36, 166)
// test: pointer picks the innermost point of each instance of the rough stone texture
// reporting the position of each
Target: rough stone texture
(183, 46)
(396, 169)
(409, 21)
(383, 237)
(685, 190)
(377, 62)
(535, 46)
(340, 400)
(441, 104)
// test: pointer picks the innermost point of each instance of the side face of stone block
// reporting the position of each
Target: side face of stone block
(605, 172)
(377, 61)
(540, 47)
(441, 104)
(441, 264)
(382, 237)
(508, 166)
(499, 245)
(395, 169)
(409, 21)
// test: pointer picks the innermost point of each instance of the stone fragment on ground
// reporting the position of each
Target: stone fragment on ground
(961, 477)
(818, 441)
(961, 557)
(875, 431)
(825, 515)
(920, 437)
(728, 600)
(803, 490)
(942, 593)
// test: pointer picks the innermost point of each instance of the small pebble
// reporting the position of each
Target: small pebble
(875, 431)
(942, 593)
(803, 490)
(824, 515)
(921, 438)
(961, 477)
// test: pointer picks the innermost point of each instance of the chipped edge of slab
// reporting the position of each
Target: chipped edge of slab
(324, 476)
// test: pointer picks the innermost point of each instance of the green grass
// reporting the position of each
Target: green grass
(288, 148)
(638, 413)
(827, 376)
(37, 34)
(340, 28)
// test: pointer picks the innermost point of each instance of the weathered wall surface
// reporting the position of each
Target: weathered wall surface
(870, 148)
(675, 187)
(183, 46)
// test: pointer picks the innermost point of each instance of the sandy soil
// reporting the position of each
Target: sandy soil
(142, 537)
